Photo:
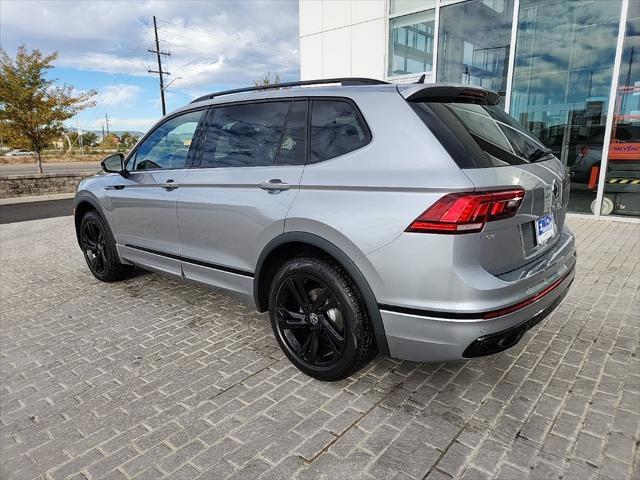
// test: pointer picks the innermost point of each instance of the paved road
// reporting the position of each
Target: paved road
(20, 212)
(54, 167)
(154, 378)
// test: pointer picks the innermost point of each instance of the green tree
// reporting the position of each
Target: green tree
(111, 140)
(89, 139)
(128, 140)
(33, 109)
(266, 80)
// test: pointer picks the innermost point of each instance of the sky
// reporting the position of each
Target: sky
(102, 46)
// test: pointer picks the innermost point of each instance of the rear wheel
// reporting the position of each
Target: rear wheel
(319, 319)
(99, 249)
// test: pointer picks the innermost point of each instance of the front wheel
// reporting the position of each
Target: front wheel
(99, 249)
(319, 318)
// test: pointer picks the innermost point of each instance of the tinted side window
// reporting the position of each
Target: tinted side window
(244, 135)
(480, 136)
(293, 146)
(168, 145)
(335, 130)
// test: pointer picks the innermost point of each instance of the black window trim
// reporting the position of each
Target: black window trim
(196, 136)
(309, 99)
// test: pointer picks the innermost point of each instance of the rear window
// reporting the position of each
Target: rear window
(478, 136)
(336, 129)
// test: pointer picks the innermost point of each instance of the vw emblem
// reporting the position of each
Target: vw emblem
(313, 318)
(556, 190)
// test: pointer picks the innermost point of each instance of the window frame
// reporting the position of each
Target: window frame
(193, 148)
(209, 116)
(202, 131)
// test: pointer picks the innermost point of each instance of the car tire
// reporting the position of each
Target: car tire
(99, 249)
(319, 318)
(607, 206)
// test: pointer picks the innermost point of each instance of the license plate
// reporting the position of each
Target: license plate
(545, 229)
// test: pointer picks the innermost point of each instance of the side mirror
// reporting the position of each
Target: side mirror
(114, 164)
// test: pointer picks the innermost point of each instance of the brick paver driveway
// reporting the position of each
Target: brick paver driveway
(153, 378)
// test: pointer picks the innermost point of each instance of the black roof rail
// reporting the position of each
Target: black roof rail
(345, 81)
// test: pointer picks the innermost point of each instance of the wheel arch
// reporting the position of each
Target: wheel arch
(83, 204)
(290, 244)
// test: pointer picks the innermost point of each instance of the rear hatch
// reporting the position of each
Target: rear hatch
(496, 152)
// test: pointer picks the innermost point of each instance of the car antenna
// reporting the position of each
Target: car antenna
(422, 78)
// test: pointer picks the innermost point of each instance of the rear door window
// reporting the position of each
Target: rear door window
(336, 129)
(244, 135)
(293, 147)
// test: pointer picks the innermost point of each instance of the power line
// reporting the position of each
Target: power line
(160, 72)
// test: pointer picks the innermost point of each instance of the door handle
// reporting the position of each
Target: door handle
(275, 185)
(169, 185)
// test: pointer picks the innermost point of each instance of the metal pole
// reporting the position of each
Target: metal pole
(615, 78)
(435, 44)
(155, 28)
(512, 55)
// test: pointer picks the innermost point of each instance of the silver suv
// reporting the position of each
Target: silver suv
(417, 221)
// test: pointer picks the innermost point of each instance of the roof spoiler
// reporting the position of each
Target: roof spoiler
(449, 94)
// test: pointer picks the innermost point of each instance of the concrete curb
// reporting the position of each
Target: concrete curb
(36, 198)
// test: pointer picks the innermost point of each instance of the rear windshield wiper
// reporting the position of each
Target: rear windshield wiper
(538, 154)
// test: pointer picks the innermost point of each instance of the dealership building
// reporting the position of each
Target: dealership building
(567, 69)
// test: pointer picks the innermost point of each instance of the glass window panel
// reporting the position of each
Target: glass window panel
(245, 135)
(168, 145)
(622, 180)
(293, 145)
(474, 43)
(562, 76)
(411, 43)
(335, 130)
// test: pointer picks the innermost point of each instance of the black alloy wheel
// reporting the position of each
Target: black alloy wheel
(99, 249)
(310, 320)
(94, 246)
(319, 318)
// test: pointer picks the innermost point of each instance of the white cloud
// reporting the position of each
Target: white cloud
(227, 42)
(138, 124)
(117, 95)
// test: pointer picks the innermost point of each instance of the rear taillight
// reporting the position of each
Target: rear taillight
(467, 212)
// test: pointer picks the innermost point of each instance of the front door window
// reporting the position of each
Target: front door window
(169, 145)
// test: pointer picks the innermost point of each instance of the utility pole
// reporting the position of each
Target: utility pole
(102, 132)
(106, 119)
(160, 72)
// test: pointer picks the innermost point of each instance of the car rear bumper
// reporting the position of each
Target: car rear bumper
(443, 337)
